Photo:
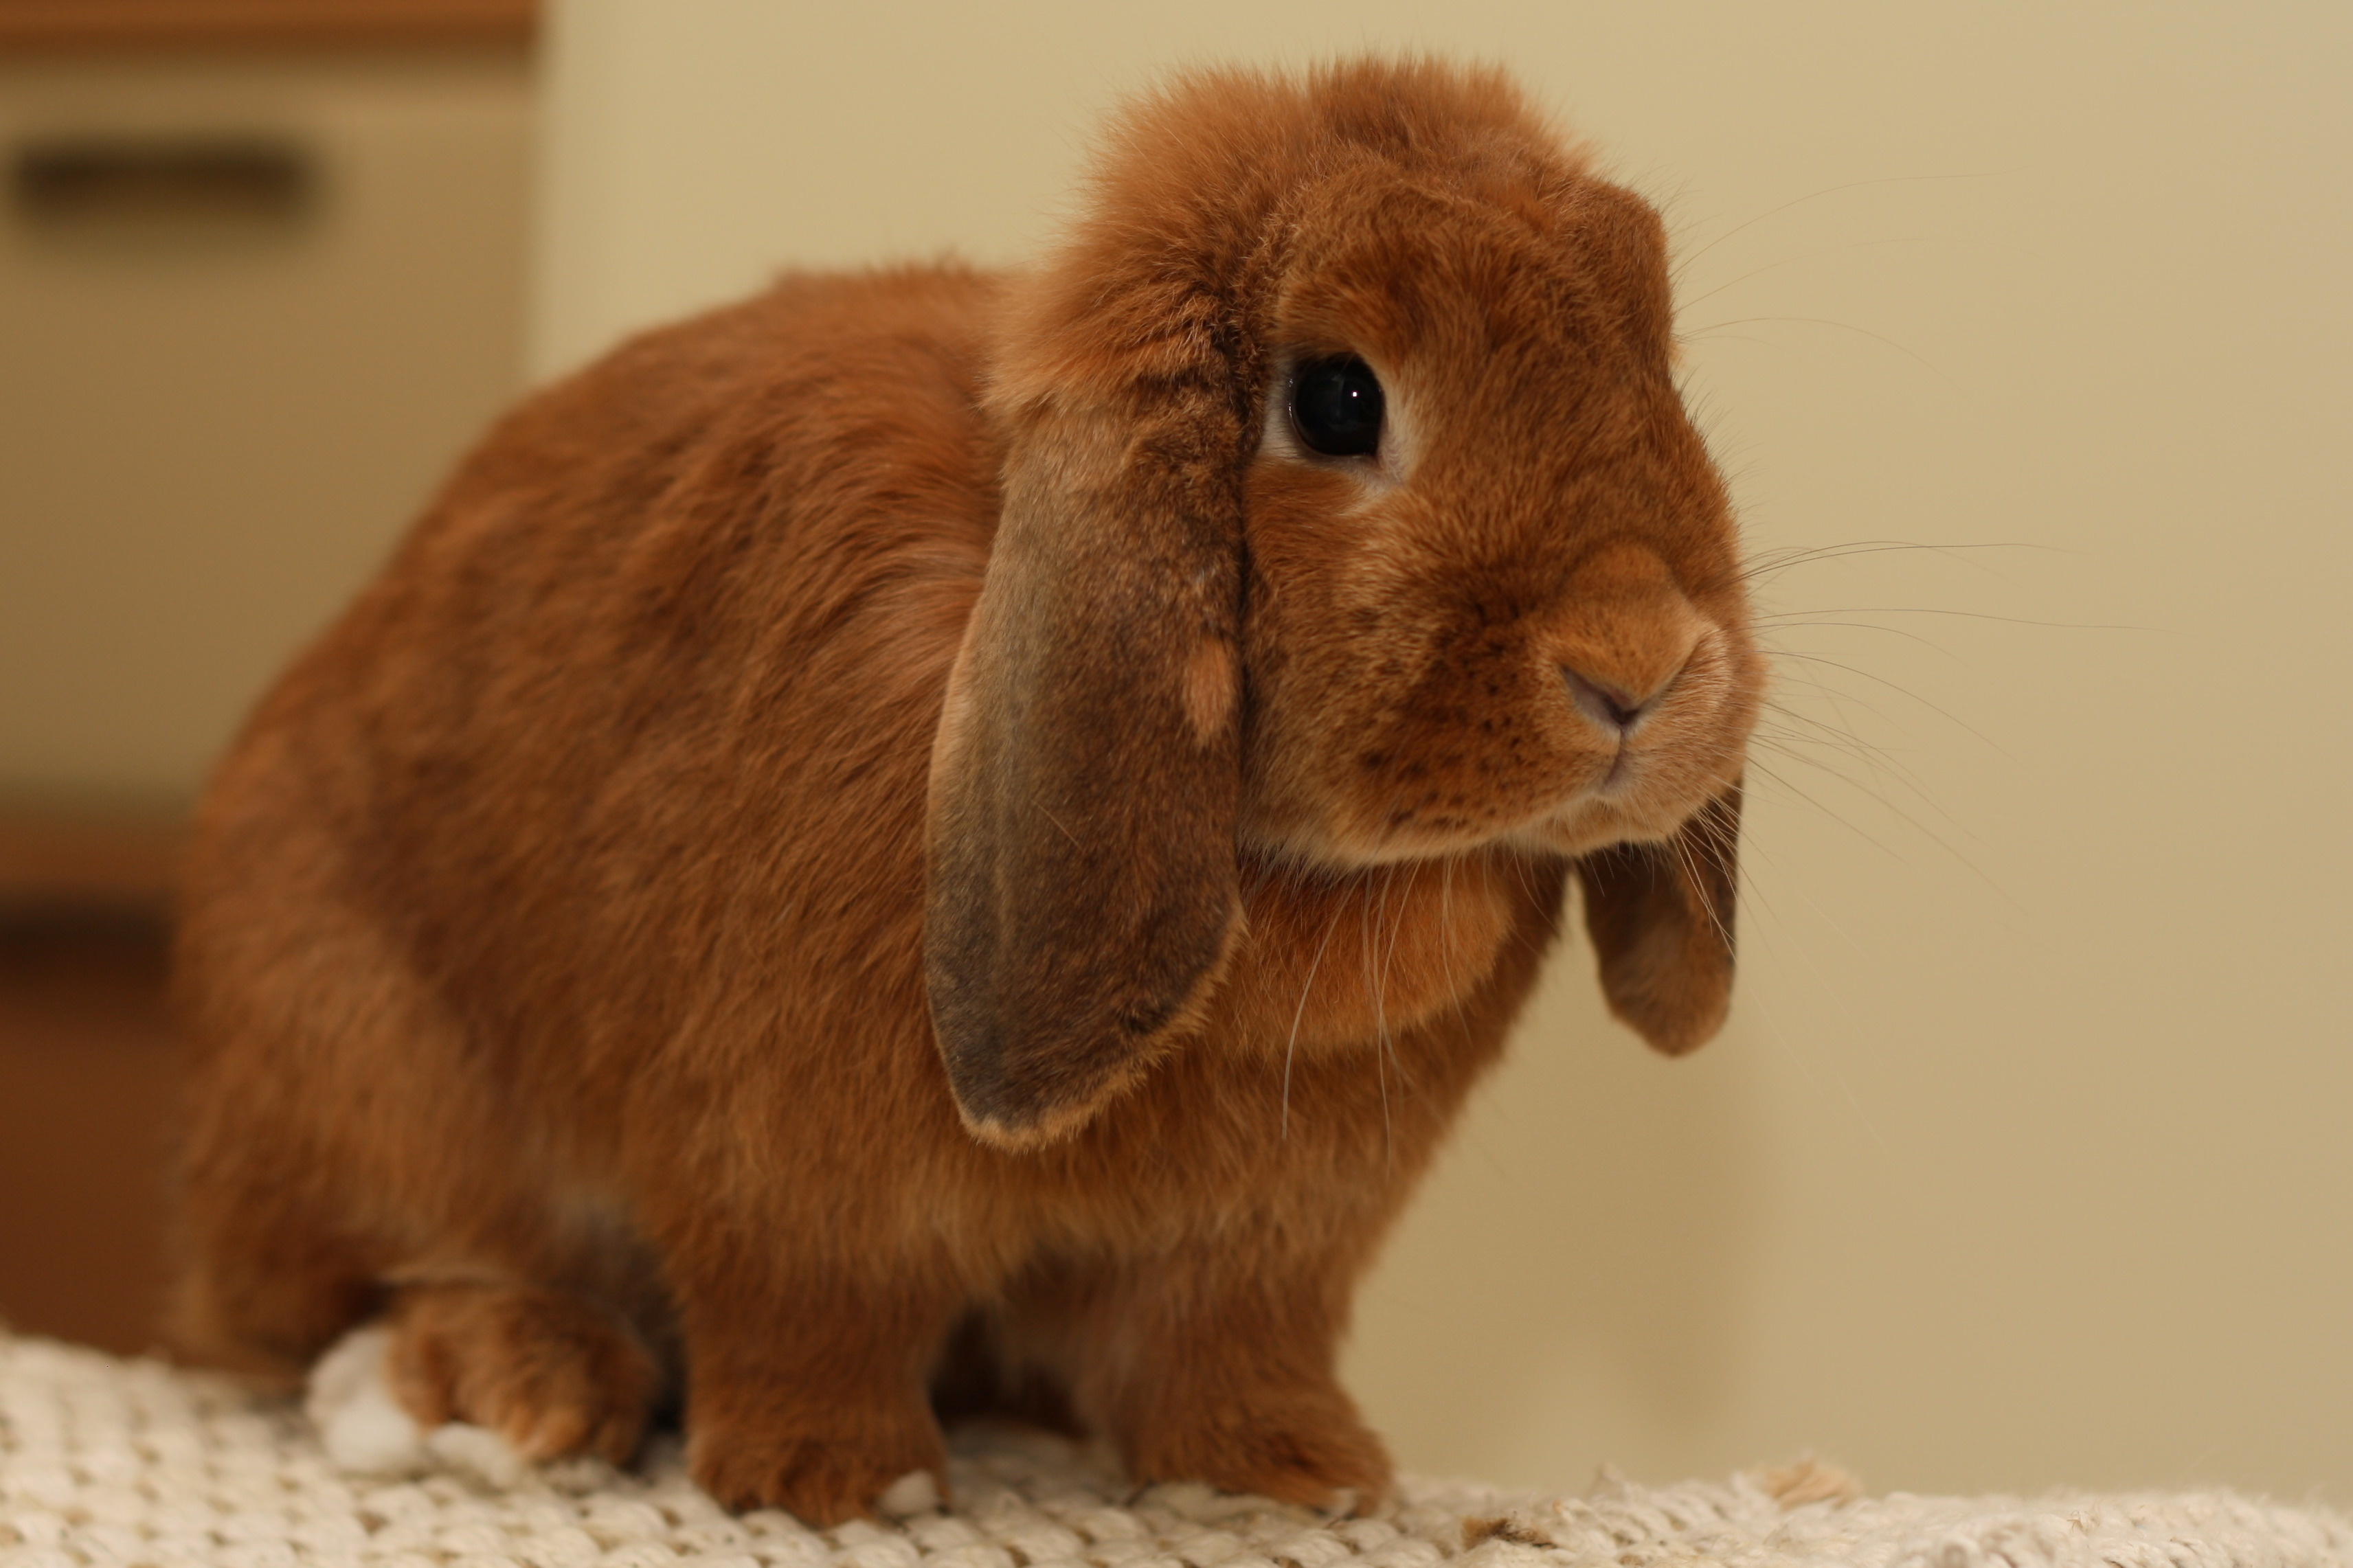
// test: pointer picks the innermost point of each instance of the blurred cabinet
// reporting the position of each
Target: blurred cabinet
(261, 264)
(254, 302)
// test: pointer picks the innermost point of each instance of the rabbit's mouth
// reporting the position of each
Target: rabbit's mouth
(1642, 795)
(1604, 815)
(1621, 776)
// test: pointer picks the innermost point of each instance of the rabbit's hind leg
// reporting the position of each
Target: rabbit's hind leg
(552, 1374)
(263, 1293)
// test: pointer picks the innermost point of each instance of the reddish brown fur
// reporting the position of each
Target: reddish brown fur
(556, 938)
(551, 1372)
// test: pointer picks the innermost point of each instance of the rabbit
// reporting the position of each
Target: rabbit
(945, 838)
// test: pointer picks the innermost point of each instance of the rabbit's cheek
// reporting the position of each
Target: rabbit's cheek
(1409, 740)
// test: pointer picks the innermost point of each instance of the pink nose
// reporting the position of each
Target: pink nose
(1609, 706)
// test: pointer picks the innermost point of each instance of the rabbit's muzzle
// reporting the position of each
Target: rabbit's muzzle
(1609, 708)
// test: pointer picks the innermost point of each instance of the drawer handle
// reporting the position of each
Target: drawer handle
(179, 181)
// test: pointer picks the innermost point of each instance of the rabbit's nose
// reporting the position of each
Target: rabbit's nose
(1611, 706)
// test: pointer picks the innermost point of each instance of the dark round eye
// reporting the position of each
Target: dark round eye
(1335, 407)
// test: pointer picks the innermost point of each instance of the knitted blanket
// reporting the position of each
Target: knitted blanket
(112, 1462)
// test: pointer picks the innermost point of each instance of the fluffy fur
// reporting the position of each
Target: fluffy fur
(906, 839)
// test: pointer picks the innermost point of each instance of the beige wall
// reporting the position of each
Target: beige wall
(210, 431)
(2025, 1159)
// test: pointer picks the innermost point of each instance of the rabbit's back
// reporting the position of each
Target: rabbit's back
(620, 762)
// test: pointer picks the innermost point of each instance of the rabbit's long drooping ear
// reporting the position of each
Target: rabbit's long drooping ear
(1081, 862)
(1660, 919)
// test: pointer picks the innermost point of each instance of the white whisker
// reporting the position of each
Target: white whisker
(1292, 1048)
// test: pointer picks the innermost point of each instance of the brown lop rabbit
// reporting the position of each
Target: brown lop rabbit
(937, 834)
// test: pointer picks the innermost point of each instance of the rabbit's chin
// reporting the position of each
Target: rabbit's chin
(1592, 823)
(1587, 821)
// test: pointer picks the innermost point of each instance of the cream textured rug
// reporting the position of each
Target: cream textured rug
(105, 1462)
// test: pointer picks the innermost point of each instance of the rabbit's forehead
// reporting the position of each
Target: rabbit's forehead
(1547, 282)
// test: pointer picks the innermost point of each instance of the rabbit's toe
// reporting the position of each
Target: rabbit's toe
(551, 1373)
(1309, 1450)
(821, 1478)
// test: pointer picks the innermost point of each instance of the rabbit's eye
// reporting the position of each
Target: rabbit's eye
(1335, 407)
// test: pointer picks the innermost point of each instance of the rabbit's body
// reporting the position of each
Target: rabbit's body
(577, 937)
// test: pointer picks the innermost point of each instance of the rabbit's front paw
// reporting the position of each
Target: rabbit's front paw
(821, 1478)
(1308, 1448)
(551, 1373)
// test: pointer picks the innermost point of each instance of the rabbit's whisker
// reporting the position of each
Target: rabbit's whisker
(1943, 713)
(1910, 821)
(1057, 821)
(1682, 305)
(1290, 1049)
(1696, 875)
(1758, 768)
(1776, 561)
(1790, 623)
(1389, 973)
(1453, 935)
(1675, 275)
(1822, 734)
(1702, 333)
(1884, 767)
(1837, 699)
(1780, 749)
(1881, 779)
(1380, 1017)
(1791, 615)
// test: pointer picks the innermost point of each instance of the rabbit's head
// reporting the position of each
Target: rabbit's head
(1351, 516)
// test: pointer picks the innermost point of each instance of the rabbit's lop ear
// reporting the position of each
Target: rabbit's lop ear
(1083, 883)
(1660, 919)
